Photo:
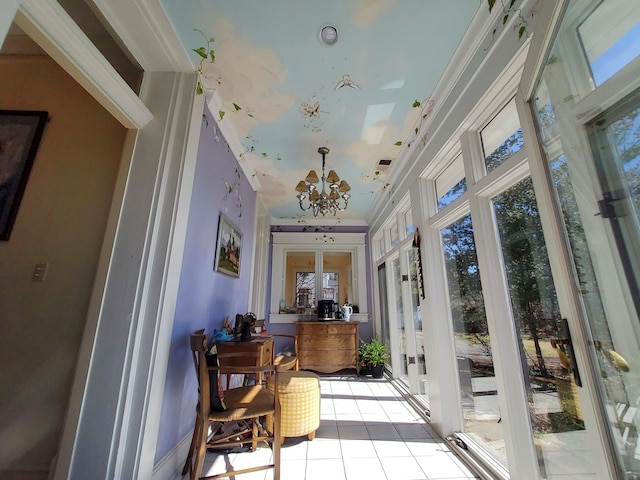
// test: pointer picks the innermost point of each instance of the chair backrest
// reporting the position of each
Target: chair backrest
(228, 366)
(198, 343)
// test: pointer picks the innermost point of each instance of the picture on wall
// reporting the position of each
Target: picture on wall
(228, 248)
(20, 134)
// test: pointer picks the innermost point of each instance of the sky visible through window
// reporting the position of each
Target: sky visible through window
(617, 57)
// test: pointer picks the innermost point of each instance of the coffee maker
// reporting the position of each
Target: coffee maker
(327, 310)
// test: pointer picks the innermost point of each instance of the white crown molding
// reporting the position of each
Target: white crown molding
(46, 22)
(143, 26)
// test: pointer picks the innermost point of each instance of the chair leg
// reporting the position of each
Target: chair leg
(254, 434)
(312, 435)
(194, 440)
(200, 450)
(276, 445)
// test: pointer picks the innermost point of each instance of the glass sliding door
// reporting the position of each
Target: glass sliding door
(417, 375)
(399, 339)
(592, 157)
(476, 375)
(546, 349)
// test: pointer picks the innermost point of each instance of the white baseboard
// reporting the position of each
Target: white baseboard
(170, 466)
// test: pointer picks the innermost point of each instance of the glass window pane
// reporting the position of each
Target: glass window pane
(502, 137)
(554, 406)
(472, 343)
(381, 247)
(608, 50)
(394, 236)
(451, 183)
(300, 282)
(336, 277)
(414, 270)
(401, 331)
(408, 221)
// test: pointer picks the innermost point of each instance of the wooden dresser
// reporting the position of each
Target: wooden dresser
(327, 346)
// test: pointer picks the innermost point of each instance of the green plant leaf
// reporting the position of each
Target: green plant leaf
(505, 18)
(416, 104)
(237, 107)
(221, 113)
(521, 30)
(198, 88)
(211, 40)
(398, 143)
(416, 130)
(264, 154)
(201, 51)
(491, 4)
(212, 56)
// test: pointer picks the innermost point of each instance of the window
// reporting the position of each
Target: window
(307, 267)
(608, 50)
(408, 221)
(451, 183)
(502, 137)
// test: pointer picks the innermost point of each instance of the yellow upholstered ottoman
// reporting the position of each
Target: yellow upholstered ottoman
(299, 394)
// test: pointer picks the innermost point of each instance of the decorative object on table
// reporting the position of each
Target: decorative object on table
(228, 248)
(346, 311)
(372, 356)
(323, 202)
(20, 134)
(248, 323)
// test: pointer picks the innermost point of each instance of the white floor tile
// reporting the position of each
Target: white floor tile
(325, 469)
(367, 431)
(364, 468)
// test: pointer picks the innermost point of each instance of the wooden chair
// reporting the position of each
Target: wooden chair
(244, 404)
(286, 362)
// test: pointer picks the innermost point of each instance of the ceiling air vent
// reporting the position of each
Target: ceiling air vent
(383, 165)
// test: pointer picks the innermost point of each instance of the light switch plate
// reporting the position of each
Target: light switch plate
(39, 272)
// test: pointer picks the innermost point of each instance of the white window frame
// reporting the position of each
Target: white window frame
(284, 242)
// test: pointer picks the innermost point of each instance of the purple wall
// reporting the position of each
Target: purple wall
(205, 297)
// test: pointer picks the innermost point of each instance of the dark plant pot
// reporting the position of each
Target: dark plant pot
(365, 370)
(377, 371)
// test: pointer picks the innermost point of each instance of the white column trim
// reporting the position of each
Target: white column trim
(46, 22)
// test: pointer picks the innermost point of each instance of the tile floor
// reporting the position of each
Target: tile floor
(367, 431)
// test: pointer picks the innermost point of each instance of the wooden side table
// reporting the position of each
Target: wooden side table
(327, 346)
(263, 346)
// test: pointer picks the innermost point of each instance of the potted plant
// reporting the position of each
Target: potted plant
(372, 357)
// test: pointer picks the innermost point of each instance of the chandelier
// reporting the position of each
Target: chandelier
(323, 202)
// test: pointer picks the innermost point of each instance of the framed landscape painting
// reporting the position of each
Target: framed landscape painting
(20, 134)
(228, 248)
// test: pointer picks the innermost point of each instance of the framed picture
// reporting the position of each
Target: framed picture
(20, 134)
(228, 248)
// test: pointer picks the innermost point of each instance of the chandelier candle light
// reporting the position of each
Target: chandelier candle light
(323, 202)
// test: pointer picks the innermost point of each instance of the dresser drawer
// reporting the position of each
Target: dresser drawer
(333, 342)
(339, 359)
(329, 328)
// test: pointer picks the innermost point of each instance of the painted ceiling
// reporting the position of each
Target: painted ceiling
(283, 93)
